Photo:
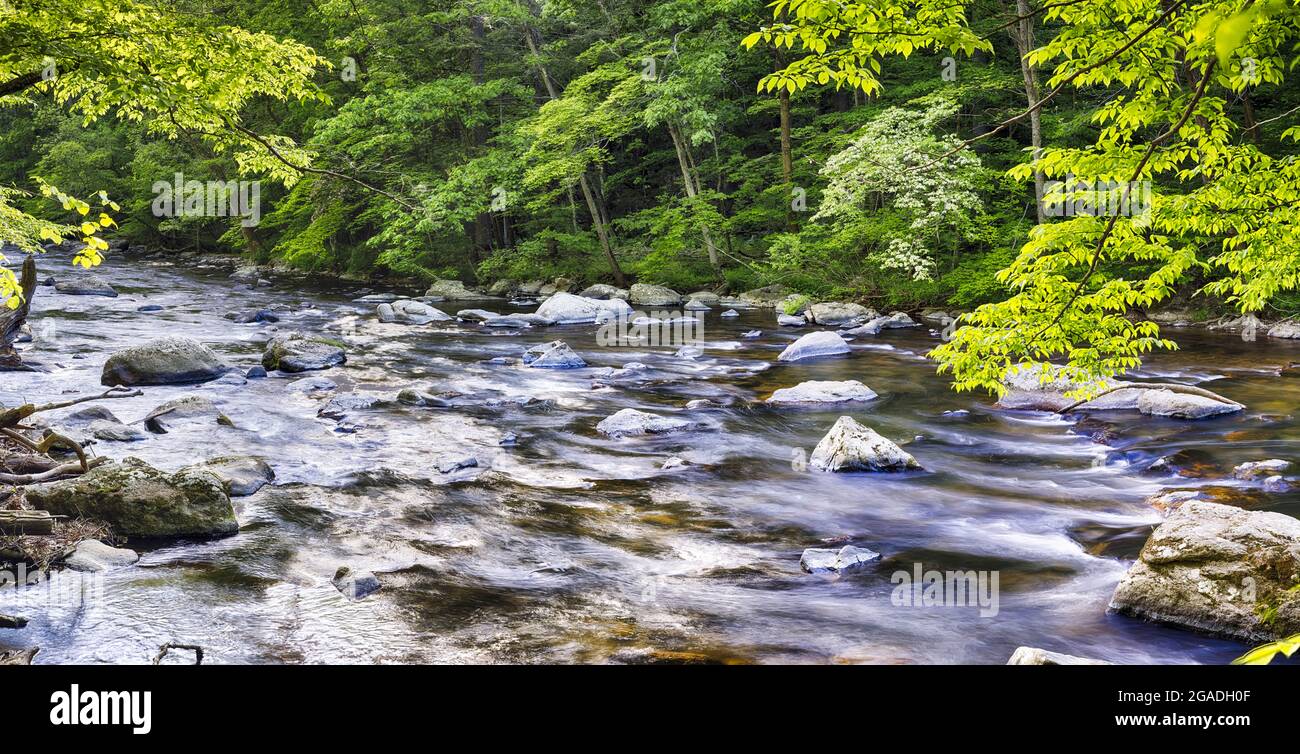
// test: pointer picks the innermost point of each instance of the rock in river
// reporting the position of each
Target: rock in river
(1218, 569)
(1036, 656)
(93, 555)
(85, 285)
(239, 475)
(823, 391)
(813, 345)
(191, 408)
(165, 361)
(113, 431)
(850, 446)
(834, 313)
(553, 355)
(296, 352)
(452, 290)
(409, 312)
(847, 558)
(568, 309)
(355, 585)
(630, 422)
(644, 294)
(140, 501)
(602, 291)
(1182, 405)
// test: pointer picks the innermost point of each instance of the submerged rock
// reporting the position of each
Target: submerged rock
(295, 352)
(191, 408)
(850, 446)
(1036, 656)
(138, 500)
(553, 355)
(355, 585)
(847, 558)
(814, 345)
(240, 476)
(93, 555)
(1255, 470)
(449, 464)
(1220, 570)
(819, 391)
(340, 406)
(164, 361)
(630, 422)
(85, 285)
(568, 309)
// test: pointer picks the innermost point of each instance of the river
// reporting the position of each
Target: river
(573, 547)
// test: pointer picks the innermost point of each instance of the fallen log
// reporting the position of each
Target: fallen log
(22, 522)
(11, 417)
(169, 646)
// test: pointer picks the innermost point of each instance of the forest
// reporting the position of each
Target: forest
(1061, 239)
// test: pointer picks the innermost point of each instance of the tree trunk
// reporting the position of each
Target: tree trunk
(1024, 38)
(690, 178)
(533, 37)
(787, 153)
(12, 320)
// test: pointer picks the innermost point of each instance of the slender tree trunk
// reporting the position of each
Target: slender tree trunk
(787, 152)
(690, 178)
(1024, 38)
(478, 137)
(532, 36)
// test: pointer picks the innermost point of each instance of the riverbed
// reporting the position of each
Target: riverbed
(570, 546)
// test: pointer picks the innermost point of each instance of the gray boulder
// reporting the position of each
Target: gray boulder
(765, 297)
(164, 361)
(602, 291)
(568, 309)
(790, 320)
(295, 352)
(1030, 387)
(355, 585)
(814, 345)
(1183, 405)
(850, 446)
(629, 422)
(85, 285)
(475, 315)
(822, 391)
(1220, 570)
(847, 558)
(93, 555)
(138, 500)
(644, 294)
(553, 355)
(451, 290)
(834, 313)
(1285, 330)
(1255, 470)
(113, 431)
(411, 312)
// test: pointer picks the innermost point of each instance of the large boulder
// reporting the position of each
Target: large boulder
(813, 345)
(568, 309)
(1029, 387)
(644, 294)
(834, 313)
(630, 422)
(1285, 330)
(296, 352)
(553, 355)
(1218, 569)
(603, 291)
(240, 476)
(850, 446)
(822, 391)
(708, 298)
(85, 285)
(1183, 405)
(409, 312)
(452, 290)
(766, 297)
(138, 500)
(165, 361)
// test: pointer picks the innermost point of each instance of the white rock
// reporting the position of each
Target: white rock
(1285, 330)
(568, 309)
(813, 345)
(553, 355)
(1182, 405)
(1036, 656)
(93, 555)
(730, 313)
(629, 422)
(850, 446)
(823, 391)
(847, 558)
(790, 320)
(1253, 470)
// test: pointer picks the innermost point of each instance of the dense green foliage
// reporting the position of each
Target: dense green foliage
(604, 139)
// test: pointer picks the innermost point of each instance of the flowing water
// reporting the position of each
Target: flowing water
(573, 547)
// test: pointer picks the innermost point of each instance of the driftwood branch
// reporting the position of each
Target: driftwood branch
(1172, 387)
(71, 468)
(14, 415)
(169, 646)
